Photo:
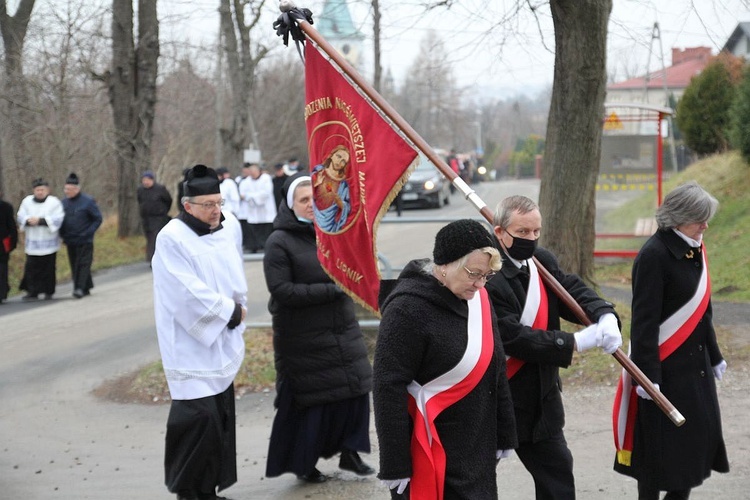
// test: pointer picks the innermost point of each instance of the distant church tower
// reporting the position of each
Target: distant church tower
(336, 26)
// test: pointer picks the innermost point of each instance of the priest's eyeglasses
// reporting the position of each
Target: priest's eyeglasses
(475, 276)
(208, 205)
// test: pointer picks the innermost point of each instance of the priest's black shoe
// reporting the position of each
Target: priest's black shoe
(78, 293)
(351, 461)
(314, 477)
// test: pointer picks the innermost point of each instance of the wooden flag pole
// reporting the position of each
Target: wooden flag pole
(469, 194)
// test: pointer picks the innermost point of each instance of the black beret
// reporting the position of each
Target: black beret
(72, 179)
(200, 180)
(460, 238)
(39, 182)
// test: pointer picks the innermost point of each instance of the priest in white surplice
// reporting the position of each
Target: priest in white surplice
(200, 300)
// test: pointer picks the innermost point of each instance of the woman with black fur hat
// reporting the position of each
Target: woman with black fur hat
(443, 411)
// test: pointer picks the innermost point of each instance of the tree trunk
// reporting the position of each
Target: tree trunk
(574, 131)
(132, 94)
(19, 116)
(241, 64)
(378, 70)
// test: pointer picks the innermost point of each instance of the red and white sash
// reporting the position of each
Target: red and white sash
(534, 314)
(427, 401)
(672, 333)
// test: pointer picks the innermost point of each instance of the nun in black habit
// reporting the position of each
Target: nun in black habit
(323, 374)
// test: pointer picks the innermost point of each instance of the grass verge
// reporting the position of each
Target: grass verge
(109, 251)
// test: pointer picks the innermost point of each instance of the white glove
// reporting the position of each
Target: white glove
(642, 392)
(610, 333)
(500, 454)
(398, 484)
(719, 369)
(588, 337)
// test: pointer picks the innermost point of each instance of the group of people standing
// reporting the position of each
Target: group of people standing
(253, 197)
(47, 221)
(467, 360)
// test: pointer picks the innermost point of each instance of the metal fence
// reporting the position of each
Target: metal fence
(387, 270)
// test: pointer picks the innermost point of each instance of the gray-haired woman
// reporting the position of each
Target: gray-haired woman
(673, 341)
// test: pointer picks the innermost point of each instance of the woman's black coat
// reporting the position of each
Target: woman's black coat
(665, 276)
(318, 345)
(423, 334)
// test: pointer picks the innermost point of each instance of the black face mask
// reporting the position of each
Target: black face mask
(522, 248)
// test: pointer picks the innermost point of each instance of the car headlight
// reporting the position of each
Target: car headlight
(482, 170)
(429, 185)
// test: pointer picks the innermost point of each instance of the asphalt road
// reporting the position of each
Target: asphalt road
(60, 442)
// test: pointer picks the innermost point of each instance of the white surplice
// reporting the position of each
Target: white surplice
(197, 281)
(42, 239)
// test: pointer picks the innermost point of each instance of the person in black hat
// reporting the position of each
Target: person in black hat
(529, 315)
(82, 219)
(40, 217)
(200, 303)
(154, 202)
(439, 372)
(323, 374)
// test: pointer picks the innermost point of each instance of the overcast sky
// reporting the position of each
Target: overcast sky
(518, 57)
(525, 62)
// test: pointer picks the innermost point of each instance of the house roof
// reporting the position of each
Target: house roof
(335, 21)
(677, 77)
(742, 30)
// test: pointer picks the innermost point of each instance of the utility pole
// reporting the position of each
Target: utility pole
(656, 35)
(219, 105)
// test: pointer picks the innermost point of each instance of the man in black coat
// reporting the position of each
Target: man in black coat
(154, 202)
(529, 322)
(82, 219)
(8, 241)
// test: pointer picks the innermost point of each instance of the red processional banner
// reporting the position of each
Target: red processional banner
(358, 165)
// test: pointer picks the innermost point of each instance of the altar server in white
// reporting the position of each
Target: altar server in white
(40, 217)
(200, 301)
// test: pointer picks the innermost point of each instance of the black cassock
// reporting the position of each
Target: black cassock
(201, 452)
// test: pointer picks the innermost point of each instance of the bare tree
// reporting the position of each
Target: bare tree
(243, 57)
(573, 144)
(378, 69)
(278, 101)
(183, 134)
(132, 92)
(13, 30)
(430, 99)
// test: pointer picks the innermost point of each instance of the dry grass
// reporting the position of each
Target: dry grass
(109, 251)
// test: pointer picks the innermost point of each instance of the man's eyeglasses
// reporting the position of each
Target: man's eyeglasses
(208, 205)
(474, 276)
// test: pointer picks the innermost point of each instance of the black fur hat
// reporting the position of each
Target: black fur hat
(460, 238)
